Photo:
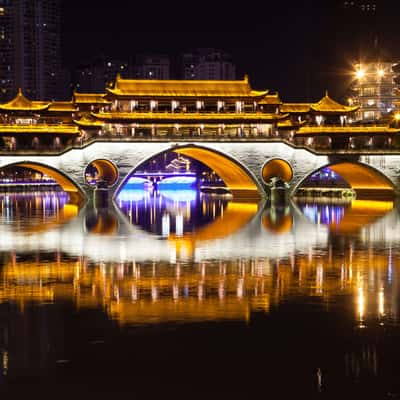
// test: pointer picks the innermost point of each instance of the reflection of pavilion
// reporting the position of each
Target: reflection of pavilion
(142, 293)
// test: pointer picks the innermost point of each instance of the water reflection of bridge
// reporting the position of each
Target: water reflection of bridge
(245, 230)
(143, 293)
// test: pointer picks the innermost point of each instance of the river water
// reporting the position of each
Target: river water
(185, 295)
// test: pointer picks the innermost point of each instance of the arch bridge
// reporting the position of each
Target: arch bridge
(245, 167)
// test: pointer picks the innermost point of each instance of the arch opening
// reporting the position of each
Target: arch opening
(187, 192)
(277, 168)
(75, 194)
(101, 171)
(347, 179)
(237, 179)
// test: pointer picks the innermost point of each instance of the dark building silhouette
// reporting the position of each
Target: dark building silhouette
(30, 49)
(207, 64)
(96, 75)
(152, 66)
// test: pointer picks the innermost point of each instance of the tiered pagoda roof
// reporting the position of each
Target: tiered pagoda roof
(346, 130)
(61, 129)
(329, 106)
(326, 106)
(89, 98)
(88, 122)
(295, 108)
(271, 99)
(21, 103)
(184, 88)
(62, 106)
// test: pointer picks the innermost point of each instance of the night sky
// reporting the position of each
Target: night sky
(297, 48)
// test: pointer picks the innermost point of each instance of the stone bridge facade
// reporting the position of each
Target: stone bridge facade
(249, 157)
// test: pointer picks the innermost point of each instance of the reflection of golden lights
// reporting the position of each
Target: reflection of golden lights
(361, 213)
(279, 224)
(156, 292)
(237, 213)
(372, 205)
(381, 302)
(320, 278)
(5, 362)
(361, 306)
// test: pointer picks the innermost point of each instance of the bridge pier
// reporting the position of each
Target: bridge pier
(101, 197)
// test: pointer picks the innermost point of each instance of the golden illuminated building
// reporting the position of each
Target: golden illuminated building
(182, 109)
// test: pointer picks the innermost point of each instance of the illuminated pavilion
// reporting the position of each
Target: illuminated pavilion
(27, 124)
(175, 109)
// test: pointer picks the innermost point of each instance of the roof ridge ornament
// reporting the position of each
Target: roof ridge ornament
(117, 79)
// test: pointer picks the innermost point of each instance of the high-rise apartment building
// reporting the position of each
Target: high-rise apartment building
(374, 90)
(30, 48)
(93, 77)
(150, 66)
(360, 5)
(360, 20)
(6, 54)
(207, 64)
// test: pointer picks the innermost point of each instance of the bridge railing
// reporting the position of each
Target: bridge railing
(315, 148)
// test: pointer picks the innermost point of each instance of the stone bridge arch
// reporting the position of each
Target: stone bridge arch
(242, 183)
(249, 156)
(69, 185)
(366, 180)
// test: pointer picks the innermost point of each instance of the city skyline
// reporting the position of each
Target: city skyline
(299, 50)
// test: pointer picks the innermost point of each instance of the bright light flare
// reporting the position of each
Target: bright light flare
(360, 73)
(381, 73)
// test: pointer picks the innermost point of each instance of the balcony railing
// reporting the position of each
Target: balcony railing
(314, 147)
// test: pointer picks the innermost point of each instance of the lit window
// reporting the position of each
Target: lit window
(153, 105)
(174, 105)
(369, 115)
(239, 106)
